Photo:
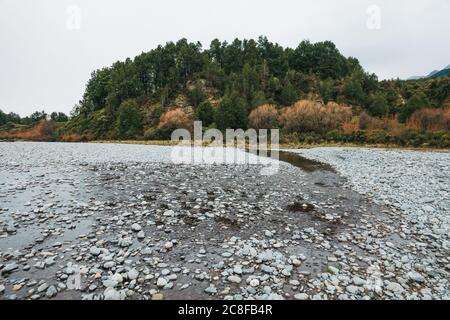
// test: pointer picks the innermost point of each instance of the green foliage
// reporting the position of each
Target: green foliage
(205, 113)
(353, 92)
(246, 73)
(128, 123)
(416, 102)
(59, 117)
(322, 58)
(378, 105)
(327, 90)
(196, 96)
(232, 112)
(288, 94)
(38, 116)
(257, 100)
(11, 117)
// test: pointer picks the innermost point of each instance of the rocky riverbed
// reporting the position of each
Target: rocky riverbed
(90, 221)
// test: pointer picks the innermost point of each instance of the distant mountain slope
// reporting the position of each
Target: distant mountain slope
(434, 74)
(442, 73)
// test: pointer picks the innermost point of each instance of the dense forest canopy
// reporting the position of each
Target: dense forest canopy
(224, 84)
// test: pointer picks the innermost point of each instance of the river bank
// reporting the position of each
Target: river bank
(124, 222)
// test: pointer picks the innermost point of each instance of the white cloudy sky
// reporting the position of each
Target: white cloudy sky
(45, 65)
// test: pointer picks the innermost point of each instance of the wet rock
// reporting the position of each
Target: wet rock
(51, 292)
(9, 268)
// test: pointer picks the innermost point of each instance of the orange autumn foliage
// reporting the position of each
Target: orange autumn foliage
(43, 131)
(430, 120)
(173, 120)
(311, 116)
(263, 117)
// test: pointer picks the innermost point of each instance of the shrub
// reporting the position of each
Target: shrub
(310, 116)
(378, 105)
(430, 120)
(173, 120)
(416, 102)
(264, 117)
(43, 131)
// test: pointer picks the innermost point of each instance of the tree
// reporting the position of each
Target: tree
(205, 113)
(128, 123)
(321, 58)
(258, 99)
(3, 118)
(232, 112)
(288, 93)
(38, 116)
(326, 90)
(416, 102)
(196, 96)
(58, 117)
(378, 105)
(353, 92)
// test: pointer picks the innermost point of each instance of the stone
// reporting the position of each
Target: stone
(168, 245)
(357, 281)
(112, 294)
(296, 262)
(141, 235)
(416, 277)
(333, 270)
(254, 283)
(234, 279)
(211, 289)
(394, 287)
(267, 269)
(161, 282)
(136, 227)
(51, 292)
(43, 287)
(301, 296)
(109, 264)
(117, 277)
(108, 283)
(169, 213)
(40, 265)
(9, 268)
(158, 296)
(95, 251)
(352, 289)
(132, 274)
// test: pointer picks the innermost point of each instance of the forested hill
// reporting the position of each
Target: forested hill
(239, 84)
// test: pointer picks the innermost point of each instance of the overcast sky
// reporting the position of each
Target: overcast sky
(47, 50)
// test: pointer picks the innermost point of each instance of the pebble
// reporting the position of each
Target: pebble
(161, 282)
(234, 279)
